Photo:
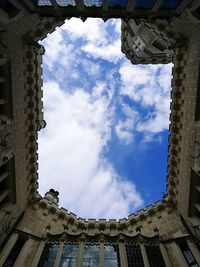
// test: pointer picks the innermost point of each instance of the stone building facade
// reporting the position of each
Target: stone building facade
(34, 231)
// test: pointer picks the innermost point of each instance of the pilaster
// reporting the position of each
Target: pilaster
(8, 247)
(144, 255)
(165, 255)
(58, 255)
(23, 253)
(38, 254)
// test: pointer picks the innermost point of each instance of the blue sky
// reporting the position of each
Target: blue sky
(105, 144)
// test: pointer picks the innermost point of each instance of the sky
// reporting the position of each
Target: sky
(105, 144)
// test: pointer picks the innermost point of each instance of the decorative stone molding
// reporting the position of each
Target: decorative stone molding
(68, 237)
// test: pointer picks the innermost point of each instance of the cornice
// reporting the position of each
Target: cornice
(101, 237)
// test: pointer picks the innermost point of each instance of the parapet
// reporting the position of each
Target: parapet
(144, 43)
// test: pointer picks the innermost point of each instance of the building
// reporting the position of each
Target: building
(34, 231)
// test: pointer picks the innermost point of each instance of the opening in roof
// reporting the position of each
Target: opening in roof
(105, 144)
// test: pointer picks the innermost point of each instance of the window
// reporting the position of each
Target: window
(7, 183)
(134, 255)
(188, 255)
(194, 200)
(91, 256)
(6, 91)
(69, 255)
(154, 255)
(111, 256)
(48, 255)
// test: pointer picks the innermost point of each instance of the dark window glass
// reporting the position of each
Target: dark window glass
(170, 3)
(111, 256)
(69, 255)
(48, 255)
(12, 257)
(91, 256)
(66, 2)
(134, 255)
(166, 4)
(3, 186)
(93, 3)
(154, 255)
(44, 3)
(10, 9)
(120, 3)
(6, 90)
(4, 201)
(188, 255)
(145, 4)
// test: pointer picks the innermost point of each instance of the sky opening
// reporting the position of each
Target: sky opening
(105, 144)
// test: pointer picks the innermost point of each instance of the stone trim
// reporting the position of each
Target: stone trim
(77, 224)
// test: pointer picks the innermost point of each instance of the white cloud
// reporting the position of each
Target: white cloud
(92, 30)
(125, 129)
(98, 42)
(91, 68)
(110, 52)
(57, 50)
(150, 86)
(71, 154)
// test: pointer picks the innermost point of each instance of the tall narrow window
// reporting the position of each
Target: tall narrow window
(194, 200)
(6, 91)
(188, 255)
(134, 255)
(111, 256)
(12, 257)
(91, 256)
(154, 255)
(48, 255)
(7, 183)
(69, 255)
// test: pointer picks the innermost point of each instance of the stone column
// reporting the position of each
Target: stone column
(165, 255)
(79, 261)
(38, 254)
(8, 247)
(178, 255)
(58, 255)
(144, 255)
(122, 253)
(23, 253)
(101, 254)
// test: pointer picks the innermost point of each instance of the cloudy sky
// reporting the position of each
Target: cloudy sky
(105, 144)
